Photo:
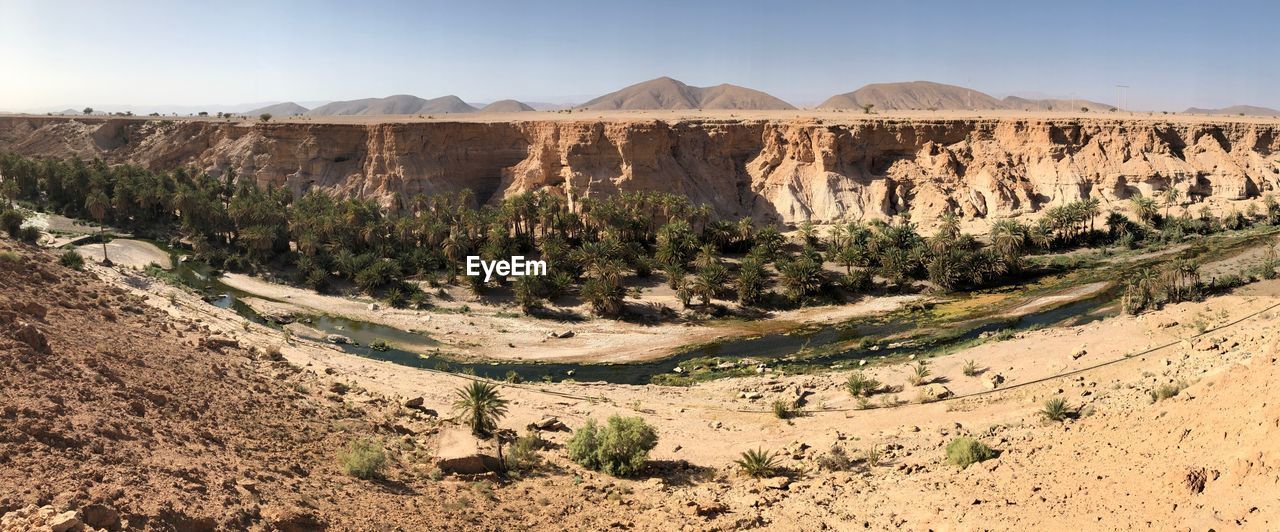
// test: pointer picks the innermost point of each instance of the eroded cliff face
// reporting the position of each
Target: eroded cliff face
(779, 170)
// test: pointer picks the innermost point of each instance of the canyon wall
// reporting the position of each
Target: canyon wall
(782, 170)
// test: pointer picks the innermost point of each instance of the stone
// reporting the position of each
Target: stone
(337, 339)
(995, 381)
(100, 516)
(1079, 353)
(549, 424)
(416, 402)
(562, 334)
(776, 483)
(65, 521)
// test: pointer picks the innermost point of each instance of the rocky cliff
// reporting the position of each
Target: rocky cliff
(788, 170)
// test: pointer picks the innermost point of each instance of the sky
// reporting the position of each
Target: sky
(1172, 54)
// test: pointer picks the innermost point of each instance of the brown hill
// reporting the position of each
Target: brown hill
(913, 95)
(400, 104)
(279, 110)
(1246, 110)
(667, 93)
(506, 106)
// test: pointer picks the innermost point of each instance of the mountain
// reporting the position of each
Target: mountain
(913, 95)
(667, 93)
(400, 104)
(1248, 110)
(506, 106)
(279, 110)
(1053, 104)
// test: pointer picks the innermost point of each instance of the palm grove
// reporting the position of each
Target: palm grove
(592, 248)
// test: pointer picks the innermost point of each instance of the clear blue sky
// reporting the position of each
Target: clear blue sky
(1174, 54)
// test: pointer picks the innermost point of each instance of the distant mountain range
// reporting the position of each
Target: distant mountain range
(1247, 110)
(665, 93)
(929, 95)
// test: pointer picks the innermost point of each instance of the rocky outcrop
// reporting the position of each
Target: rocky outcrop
(783, 170)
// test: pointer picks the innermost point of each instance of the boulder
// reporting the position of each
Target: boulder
(995, 381)
(549, 424)
(461, 453)
(65, 521)
(416, 402)
(561, 334)
(337, 339)
(776, 483)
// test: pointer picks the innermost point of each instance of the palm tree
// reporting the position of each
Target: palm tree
(1091, 208)
(1009, 239)
(481, 407)
(1144, 209)
(97, 204)
(1171, 196)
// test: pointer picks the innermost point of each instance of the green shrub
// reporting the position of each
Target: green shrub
(620, 448)
(11, 221)
(785, 410)
(860, 385)
(971, 368)
(758, 464)
(29, 235)
(1055, 409)
(919, 373)
(523, 454)
(363, 458)
(9, 256)
(1167, 390)
(965, 451)
(72, 260)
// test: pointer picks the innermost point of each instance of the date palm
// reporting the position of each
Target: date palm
(1144, 209)
(480, 407)
(97, 205)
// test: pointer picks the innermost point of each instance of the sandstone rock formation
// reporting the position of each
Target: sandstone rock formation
(772, 169)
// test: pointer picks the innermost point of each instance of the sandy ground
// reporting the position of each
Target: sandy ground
(483, 333)
(1104, 478)
(128, 253)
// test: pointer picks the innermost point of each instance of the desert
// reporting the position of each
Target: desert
(666, 266)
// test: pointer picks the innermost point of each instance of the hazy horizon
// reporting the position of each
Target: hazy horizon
(151, 54)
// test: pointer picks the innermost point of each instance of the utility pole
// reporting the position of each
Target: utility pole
(1121, 92)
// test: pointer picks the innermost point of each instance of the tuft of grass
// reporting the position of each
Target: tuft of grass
(380, 346)
(1055, 409)
(919, 373)
(872, 456)
(72, 260)
(758, 463)
(971, 368)
(1167, 390)
(363, 458)
(8, 256)
(785, 410)
(860, 385)
(965, 451)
